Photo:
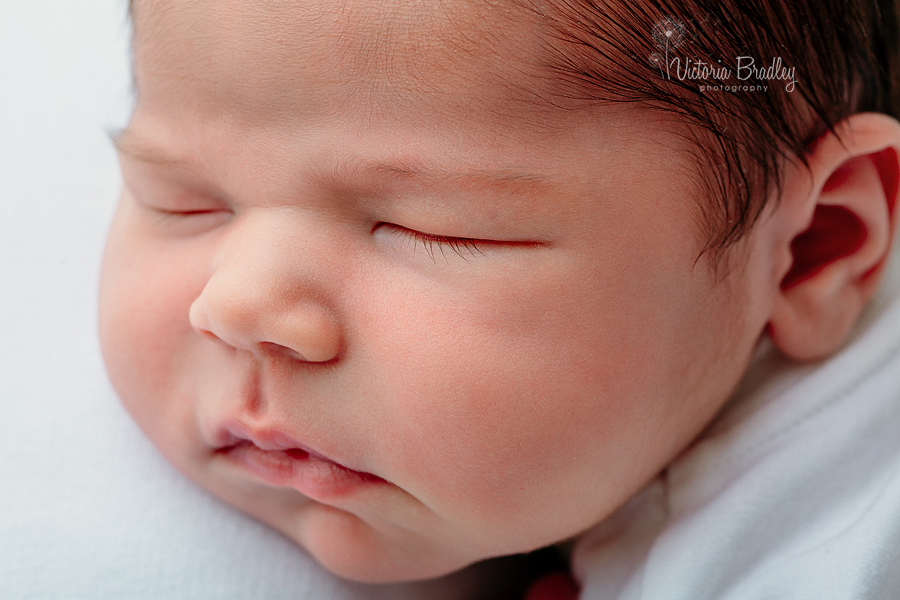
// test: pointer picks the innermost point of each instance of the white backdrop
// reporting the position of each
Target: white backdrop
(88, 509)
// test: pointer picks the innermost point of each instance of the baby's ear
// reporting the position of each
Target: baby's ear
(841, 234)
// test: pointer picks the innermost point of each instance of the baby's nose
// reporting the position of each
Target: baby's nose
(265, 297)
(249, 322)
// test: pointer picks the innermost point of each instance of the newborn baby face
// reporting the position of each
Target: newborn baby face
(365, 285)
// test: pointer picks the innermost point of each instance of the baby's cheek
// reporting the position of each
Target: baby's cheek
(488, 449)
(145, 295)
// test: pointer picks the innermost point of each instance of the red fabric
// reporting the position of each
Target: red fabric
(555, 586)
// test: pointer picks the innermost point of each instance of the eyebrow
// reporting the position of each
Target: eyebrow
(511, 180)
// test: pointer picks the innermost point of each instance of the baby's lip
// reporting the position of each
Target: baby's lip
(234, 433)
(278, 459)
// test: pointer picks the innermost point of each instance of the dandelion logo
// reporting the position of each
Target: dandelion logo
(668, 33)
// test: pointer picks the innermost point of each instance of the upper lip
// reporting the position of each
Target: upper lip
(234, 433)
(231, 431)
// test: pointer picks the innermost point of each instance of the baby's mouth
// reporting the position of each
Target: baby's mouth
(281, 463)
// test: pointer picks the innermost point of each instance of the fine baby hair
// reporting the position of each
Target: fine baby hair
(424, 283)
(731, 73)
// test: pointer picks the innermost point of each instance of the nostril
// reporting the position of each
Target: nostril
(273, 348)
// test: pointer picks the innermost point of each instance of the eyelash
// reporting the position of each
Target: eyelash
(190, 219)
(461, 246)
(184, 213)
(179, 214)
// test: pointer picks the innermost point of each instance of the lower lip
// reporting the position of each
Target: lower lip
(313, 476)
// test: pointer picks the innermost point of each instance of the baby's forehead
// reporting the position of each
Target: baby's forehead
(479, 51)
(389, 79)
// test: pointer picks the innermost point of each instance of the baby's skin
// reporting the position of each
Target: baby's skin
(366, 284)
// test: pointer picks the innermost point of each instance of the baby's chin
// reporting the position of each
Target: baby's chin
(352, 548)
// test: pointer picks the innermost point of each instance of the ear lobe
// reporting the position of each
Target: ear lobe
(837, 252)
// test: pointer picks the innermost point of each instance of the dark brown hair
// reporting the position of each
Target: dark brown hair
(844, 52)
